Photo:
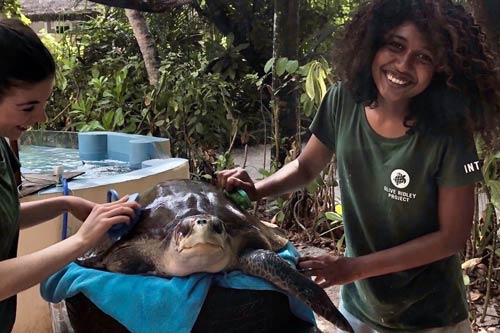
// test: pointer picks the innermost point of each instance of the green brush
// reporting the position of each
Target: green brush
(239, 197)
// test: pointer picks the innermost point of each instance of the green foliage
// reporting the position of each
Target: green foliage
(191, 107)
(491, 172)
(224, 161)
(101, 84)
(12, 9)
(336, 221)
(226, 57)
(320, 20)
(313, 77)
(100, 80)
(207, 89)
(250, 22)
(317, 76)
(484, 228)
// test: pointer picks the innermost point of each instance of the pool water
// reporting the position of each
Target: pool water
(41, 159)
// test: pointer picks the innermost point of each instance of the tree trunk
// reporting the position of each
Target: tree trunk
(146, 44)
(285, 44)
(486, 14)
(153, 6)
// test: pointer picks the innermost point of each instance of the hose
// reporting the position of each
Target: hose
(64, 232)
(112, 195)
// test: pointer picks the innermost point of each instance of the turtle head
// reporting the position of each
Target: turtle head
(199, 243)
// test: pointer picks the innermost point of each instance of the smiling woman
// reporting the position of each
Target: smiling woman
(403, 67)
(24, 106)
(27, 72)
(417, 81)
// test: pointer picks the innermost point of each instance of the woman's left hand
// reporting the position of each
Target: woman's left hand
(328, 270)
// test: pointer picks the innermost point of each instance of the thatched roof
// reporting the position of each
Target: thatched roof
(47, 10)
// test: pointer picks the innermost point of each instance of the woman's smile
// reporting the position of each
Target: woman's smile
(23, 108)
(400, 80)
(403, 67)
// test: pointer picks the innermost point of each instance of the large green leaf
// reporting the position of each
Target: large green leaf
(333, 216)
(494, 186)
(281, 66)
(321, 81)
(310, 85)
(466, 279)
(93, 125)
(269, 65)
(107, 120)
(119, 119)
(292, 66)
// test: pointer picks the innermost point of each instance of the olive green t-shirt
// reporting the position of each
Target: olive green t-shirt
(9, 226)
(389, 191)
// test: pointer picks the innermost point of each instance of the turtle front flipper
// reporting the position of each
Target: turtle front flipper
(269, 266)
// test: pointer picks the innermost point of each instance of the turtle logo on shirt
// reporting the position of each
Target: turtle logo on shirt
(400, 178)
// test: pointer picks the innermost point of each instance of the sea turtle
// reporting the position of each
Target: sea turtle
(190, 226)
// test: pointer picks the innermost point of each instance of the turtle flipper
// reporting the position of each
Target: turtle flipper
(268, 265)
(125, 258)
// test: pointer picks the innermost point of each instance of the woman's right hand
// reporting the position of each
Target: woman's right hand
(237, 178)
(104, 216)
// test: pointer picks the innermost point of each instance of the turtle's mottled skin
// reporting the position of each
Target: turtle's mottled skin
(188, 227)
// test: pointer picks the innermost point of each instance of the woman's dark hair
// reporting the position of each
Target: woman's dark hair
(23, 57)
(464, 93)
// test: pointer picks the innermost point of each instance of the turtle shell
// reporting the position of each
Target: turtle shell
(171, 205)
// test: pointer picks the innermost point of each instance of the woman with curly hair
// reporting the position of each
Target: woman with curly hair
(417, 82)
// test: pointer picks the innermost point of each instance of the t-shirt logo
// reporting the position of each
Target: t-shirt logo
(400, 178)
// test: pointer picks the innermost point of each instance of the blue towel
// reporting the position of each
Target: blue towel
(153, 304)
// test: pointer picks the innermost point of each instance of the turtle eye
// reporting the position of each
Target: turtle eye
(184, 228)
(217, 226)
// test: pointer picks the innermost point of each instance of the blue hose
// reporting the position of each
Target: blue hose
(64, 232)
(112, 195)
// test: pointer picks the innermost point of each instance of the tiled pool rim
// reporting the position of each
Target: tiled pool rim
(151, 154)
(131, 148)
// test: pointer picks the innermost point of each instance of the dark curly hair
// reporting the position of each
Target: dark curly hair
(23, 59)
(464, 93)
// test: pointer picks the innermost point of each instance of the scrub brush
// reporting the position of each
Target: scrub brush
(239, 197)
(117, 231)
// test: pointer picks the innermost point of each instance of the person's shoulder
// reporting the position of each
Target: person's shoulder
(336, 88)
(3, 143)
(341, 93)
(455, 141)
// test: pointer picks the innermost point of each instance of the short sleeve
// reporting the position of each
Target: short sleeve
(323, 124)
(460, 165)
(10, 157)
